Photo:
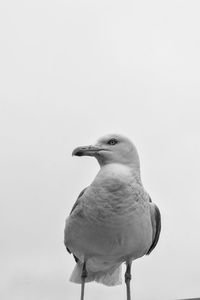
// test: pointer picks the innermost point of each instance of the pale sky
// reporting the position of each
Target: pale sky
(70, 72)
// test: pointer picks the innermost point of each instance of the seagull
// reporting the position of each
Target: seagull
(114, 220)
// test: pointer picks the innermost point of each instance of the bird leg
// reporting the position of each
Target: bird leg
(128, 279)
(83, 277)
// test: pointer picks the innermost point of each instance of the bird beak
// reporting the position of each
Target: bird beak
(86, 151)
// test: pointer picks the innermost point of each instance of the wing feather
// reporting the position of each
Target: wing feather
(73, 208)
(156, 225)
(78, 200)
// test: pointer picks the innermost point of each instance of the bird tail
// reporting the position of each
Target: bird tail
(109, 277)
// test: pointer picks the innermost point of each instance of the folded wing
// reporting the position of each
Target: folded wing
(73, 208)
(156, 225)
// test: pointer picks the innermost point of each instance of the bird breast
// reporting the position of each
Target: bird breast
(112, 217)
(113, 197)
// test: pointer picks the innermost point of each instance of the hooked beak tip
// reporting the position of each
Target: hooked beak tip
(86, 151)
(77, 152)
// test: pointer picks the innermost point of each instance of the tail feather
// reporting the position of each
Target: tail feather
(109, 277)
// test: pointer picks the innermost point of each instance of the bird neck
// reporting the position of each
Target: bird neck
(117, 171)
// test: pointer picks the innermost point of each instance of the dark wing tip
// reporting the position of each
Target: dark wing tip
(157, 221)
(76, 258)
(68, 250)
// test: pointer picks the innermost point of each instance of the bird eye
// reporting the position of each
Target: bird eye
(112, 142)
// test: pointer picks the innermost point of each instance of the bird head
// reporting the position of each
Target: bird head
(112, 148)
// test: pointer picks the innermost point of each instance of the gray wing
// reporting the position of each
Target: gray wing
(78, 200)
(74, 206)
(156, 224)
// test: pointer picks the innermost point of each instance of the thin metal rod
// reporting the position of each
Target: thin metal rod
(127, 280)
(83, 277)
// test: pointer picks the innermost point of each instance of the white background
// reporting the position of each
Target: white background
(70, 72)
